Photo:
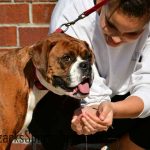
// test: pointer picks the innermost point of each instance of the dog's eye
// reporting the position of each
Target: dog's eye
(66, 58)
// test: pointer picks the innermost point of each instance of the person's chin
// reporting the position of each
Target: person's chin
(111, 42)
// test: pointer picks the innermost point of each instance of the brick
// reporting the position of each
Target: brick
(35, 0)
(21, 147)
(25, 147)
(30, 35)
(41, 12)
(8, 36)
(5, 1)
(14, 13)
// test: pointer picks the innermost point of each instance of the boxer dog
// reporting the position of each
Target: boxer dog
(59, 63)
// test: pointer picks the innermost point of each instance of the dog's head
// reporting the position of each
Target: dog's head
(64, 65)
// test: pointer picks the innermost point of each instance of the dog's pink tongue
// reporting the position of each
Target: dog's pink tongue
(84, 88)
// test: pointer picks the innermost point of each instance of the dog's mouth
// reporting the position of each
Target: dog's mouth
(82, 88)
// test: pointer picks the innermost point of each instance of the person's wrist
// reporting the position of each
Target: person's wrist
(113, 105)
(104, 102)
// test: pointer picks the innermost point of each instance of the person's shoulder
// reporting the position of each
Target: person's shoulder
(85, 3)
(79, 5)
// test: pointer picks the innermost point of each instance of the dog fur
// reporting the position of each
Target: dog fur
(60, 63)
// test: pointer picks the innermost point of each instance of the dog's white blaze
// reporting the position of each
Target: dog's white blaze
(34, 97)
(75, 72)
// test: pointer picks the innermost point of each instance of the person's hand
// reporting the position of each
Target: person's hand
(77, 123)
(99, 122)
(89, 120)
(106, 113)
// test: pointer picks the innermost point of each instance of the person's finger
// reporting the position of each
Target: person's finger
(77, 129)
(76, 125)
(103, 114)
(104, 109)
(96, 119)
(86, 130)
(93, 126)
(109, 119)
(74, 118)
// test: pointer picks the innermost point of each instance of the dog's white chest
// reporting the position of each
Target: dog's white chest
(34, 96)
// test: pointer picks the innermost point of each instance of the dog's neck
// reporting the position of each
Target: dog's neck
(30, 72)
(37, 83)
(47, 85)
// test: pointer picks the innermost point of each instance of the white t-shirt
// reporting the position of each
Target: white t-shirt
(118, 69)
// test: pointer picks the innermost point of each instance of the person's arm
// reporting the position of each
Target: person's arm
(57, 17)
(138, 103)
(140, 85)
(131, 107)
(134, 106)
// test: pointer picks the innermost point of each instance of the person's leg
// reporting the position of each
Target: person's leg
(137, 135)
(140, 134)
(51, 121)
(125, 143)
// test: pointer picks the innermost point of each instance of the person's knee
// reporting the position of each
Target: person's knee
(125, 143)
(142, 141)
(140, 135)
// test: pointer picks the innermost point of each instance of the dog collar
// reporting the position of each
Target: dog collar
(37, 83)
(39, 86)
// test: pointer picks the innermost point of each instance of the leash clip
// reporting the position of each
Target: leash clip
(81, 16)
(67, 25)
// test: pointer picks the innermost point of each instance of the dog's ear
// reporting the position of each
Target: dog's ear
(40, 52)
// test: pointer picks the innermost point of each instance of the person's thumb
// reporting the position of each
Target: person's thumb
(103, 112)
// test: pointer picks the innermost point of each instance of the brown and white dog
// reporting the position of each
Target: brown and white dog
(62, 64)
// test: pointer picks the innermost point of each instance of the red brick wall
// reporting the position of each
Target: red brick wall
(22, 22)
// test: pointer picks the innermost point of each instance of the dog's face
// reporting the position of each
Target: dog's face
(64, 65)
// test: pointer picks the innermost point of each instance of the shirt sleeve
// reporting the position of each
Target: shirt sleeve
(60, 15)
(99, 92)
(140, 81)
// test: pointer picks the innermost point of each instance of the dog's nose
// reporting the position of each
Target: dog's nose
(84, 66)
